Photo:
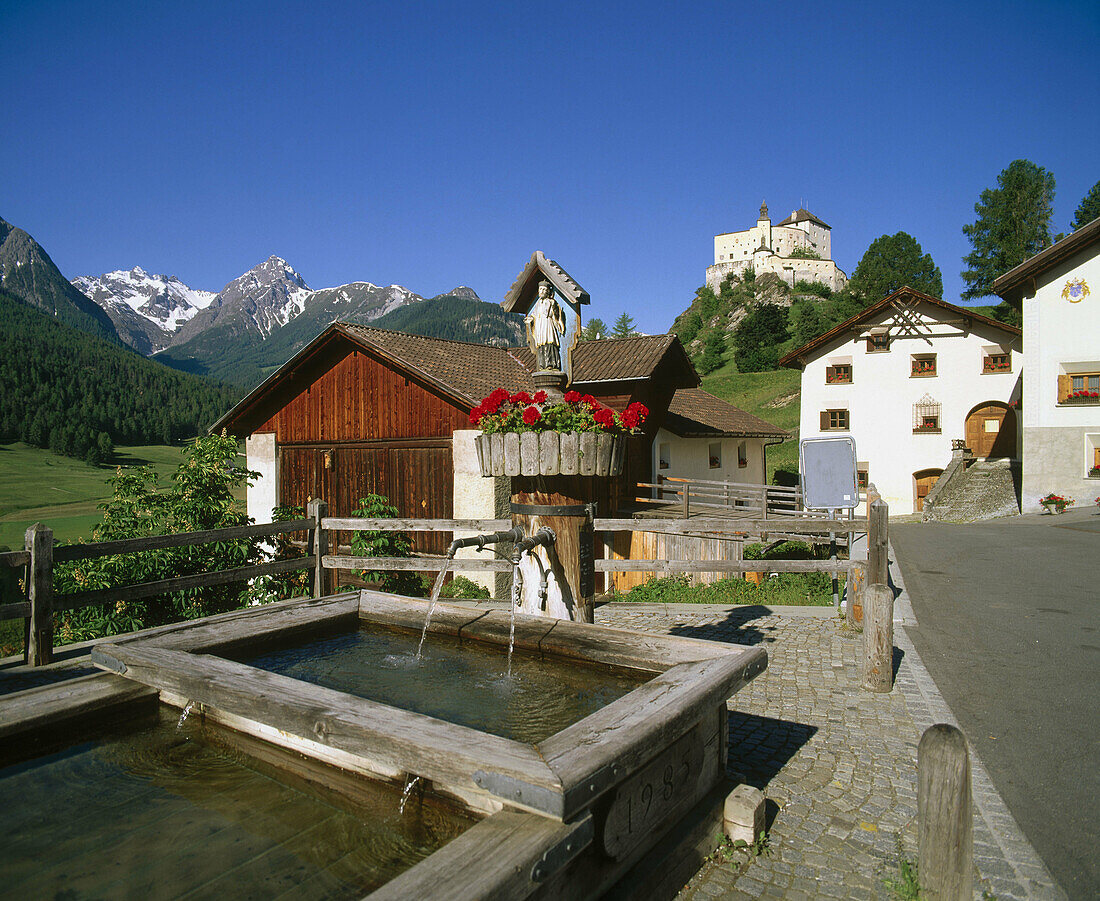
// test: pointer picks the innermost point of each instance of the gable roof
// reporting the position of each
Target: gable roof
(801, 215)
(796, 358)
(1020, 281)
(464, 372)
(524, 289)
(694, 413)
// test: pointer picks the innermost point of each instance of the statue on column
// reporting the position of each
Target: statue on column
(545, 327)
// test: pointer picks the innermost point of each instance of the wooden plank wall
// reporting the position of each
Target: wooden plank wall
(361, 398)
(670, 546)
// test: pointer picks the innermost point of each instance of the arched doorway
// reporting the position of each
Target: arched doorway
(922, 484)
(991, 430)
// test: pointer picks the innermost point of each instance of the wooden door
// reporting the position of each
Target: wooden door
(923, 481)
(991, 431)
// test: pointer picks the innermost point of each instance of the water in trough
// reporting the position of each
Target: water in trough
(162, 813)
(468, 683)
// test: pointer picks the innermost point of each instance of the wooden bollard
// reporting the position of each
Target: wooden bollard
(878, 542)
(38, 643)
(945, 820)
(853, 594)
(878, 638)
(318, 510)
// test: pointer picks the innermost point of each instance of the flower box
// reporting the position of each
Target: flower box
(551, 453)
(1082, 398)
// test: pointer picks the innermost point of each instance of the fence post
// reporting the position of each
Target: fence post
(878, 638)
(853, 593)
(38, 641)
(944, 816)
(687, 495)
(878, 543)
(318, 510)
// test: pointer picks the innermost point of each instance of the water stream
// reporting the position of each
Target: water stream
(512, 609)
(436, 588)
(183, 716)
(410, 784)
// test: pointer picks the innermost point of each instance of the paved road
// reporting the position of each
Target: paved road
(1009, 615)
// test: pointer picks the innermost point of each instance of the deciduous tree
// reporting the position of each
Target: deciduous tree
(891, 262)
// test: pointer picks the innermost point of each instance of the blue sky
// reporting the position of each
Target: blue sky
(438, 144)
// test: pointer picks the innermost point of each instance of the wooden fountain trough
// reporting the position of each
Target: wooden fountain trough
(609, 799)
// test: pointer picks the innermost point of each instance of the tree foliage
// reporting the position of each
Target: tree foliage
(593, 331)
(756, 340)
(201, 498)
(714, 349)
(1013, 225)
(1088, 209)
(79, 395)
(891, 262)
(624, 327)
(384, 544)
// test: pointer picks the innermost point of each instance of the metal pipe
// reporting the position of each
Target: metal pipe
(479, 541)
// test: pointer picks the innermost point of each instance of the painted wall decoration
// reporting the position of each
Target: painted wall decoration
(1076, 290)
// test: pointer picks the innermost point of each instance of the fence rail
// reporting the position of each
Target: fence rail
(741, 498)
(40, 555)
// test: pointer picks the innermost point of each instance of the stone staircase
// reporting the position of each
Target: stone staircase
(983, 490)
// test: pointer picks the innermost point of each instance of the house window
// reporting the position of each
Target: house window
(878, 342)
(922, 366)
(664, 456)
(997, 362)
(714, 451)
(742, 455)
(840, 374)
(861, 476)
(1094, 456)
(926, 416)
(834, 420)
(1079, 388)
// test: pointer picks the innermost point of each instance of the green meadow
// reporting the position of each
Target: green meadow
(39, 486)
(774, 396)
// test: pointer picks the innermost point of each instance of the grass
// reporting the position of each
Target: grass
(774, 396)
(40, 486)
(779, 590)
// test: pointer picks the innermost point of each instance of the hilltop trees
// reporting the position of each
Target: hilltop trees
(891, 262)
(756, 340)
(1013, 224)
(593, 331)
(1088, 209)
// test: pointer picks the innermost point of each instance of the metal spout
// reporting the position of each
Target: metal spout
(479, 541)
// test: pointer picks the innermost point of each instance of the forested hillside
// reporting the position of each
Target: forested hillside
(79, 395)
(456, 318)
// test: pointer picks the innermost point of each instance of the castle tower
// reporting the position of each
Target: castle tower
(764, 227)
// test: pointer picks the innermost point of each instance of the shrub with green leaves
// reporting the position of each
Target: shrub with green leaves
(375, 543)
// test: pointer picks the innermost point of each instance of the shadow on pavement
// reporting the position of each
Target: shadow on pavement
(761, 746)
(734, 629)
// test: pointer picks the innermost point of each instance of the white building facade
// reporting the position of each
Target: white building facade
(797, 249)
(905, 378)
(1059, 293)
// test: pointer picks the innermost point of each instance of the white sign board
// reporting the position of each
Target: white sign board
(828, 469)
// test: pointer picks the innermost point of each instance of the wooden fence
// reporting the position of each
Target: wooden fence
(40, 602)
(685, 497)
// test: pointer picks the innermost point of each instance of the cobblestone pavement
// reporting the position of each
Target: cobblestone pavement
(838, 765)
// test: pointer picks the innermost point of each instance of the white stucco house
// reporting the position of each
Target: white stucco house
(1059, 293)
(904, 378)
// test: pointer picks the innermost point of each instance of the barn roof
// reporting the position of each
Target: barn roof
(461, 371)
(694, 413)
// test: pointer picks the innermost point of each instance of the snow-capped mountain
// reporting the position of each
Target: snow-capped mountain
(145, 309)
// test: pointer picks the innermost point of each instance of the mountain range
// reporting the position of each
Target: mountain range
(245, 330)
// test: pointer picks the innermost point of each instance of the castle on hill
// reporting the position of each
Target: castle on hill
(797, 249)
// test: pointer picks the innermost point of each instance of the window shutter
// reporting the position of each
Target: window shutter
(824, 420)
(1065, 386)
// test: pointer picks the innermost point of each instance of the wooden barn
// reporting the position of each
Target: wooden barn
(361, 410)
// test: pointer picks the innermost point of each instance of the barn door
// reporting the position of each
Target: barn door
(304, 475)
(991, 431)
(923, 482)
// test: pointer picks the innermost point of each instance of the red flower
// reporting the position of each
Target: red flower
(630, 419)
(640, 409)
(531, 415)
(540, 397)
(571, 397)
(591, 401)
(521, 397)
(605, 418)
(475, 415)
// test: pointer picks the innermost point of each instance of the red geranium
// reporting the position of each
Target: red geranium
(604, 417)
(571, 397)
(521, 397)
(540, 397)
(591, 401)
(475, 414)
(531, 415)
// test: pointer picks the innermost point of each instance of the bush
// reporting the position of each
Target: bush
(464, 589)
(783, 589)
(371, 543)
